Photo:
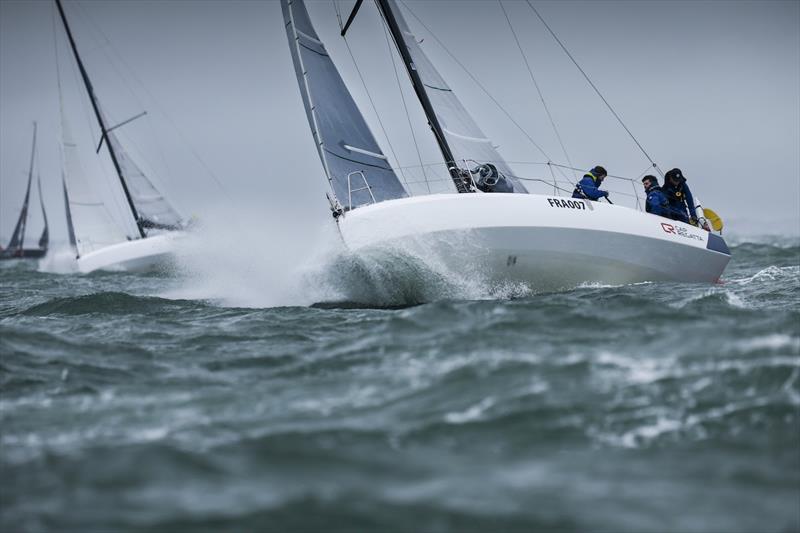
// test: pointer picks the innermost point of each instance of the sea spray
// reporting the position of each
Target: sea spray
(59, 260)
(248, 259)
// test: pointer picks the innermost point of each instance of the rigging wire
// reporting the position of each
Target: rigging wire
(372, 103)
(564, 48)
(104, 47)
(478, 83)
(535, 83)
(99, 168)
(163, 112)
(405, 106)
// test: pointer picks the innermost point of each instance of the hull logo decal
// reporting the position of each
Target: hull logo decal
(677, 230)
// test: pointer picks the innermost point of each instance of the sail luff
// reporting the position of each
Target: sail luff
(419, 88)
(99, 116)
(306, 92)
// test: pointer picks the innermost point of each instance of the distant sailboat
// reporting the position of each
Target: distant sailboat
(16, 247)
(547, 242)
(99, 240)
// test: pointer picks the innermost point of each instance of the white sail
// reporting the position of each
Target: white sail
(153, 208)
(92, 221)
(469, 145)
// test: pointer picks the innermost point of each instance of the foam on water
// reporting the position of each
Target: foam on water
(596, 408)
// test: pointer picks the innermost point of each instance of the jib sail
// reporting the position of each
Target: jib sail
(462, 142)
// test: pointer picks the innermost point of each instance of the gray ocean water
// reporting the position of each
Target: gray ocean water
(127, 405)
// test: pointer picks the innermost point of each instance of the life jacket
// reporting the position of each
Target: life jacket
(579, 190)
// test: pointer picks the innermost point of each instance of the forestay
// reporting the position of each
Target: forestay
(93, 224)
(358, 171)
(469, 145)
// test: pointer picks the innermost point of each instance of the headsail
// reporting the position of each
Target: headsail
(468, 145)
(358, 171)
(154, 210)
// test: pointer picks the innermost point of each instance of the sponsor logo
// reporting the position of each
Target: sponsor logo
(569, 204)
(677, 230)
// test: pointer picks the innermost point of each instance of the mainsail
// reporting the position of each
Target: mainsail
(358, 171)
(458, 135)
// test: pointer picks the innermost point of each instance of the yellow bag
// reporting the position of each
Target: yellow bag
(713, 218)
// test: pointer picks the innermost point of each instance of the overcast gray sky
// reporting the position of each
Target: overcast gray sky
(711, 87)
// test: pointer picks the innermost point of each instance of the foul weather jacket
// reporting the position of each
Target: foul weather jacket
(657, 203)
(588, 187)
(680, 197)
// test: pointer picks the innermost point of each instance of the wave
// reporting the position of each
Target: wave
(107, 303)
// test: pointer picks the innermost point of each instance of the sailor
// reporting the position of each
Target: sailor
(657, 203)
(589, 186)
(679, 197)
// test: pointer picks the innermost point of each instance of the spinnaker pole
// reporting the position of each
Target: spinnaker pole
(99, 116)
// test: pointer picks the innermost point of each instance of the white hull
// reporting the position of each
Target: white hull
(548, 243)
(140, 255)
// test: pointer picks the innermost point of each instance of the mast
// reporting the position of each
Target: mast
(99, 116)
(391, 22)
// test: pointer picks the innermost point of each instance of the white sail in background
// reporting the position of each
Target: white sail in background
(153, 208)
(469, 145)
(93, 223)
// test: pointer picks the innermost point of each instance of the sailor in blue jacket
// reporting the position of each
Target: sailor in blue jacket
(679, 197)
(657, 203)
(589, 186)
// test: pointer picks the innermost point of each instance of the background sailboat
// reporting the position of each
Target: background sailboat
(16, 246)
(100, 241)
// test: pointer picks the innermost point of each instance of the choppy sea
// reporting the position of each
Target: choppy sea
(137, 402)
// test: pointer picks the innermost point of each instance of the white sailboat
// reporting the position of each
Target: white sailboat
(101, 243)
(490, 221)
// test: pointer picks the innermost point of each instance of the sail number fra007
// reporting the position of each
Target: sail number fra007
(569, 204)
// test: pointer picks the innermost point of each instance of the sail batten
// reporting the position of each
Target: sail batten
(357, 169)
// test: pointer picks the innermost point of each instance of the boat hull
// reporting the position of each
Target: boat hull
(547, 243)
(26, 253)
(140, 255)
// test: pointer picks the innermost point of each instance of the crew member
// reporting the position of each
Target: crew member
(589, 186)
(681, 202)
(657, 203)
